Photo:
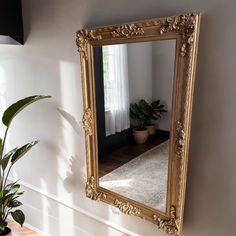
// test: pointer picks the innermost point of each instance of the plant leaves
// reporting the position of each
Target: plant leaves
(12, 189)
(9, 193)
(18, 216)
(4, 161)
(9, 186)
(15, 108)
(22, 151)
(0, 144)
(14, 203)
(3, 225)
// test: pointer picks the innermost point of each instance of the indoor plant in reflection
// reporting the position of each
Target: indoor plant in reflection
(10, 192)
(143, 113)
(139, 116)
(154, 110)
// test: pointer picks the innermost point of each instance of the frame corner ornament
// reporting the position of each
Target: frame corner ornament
(127, 31)
(83, 38)
(171, 225)
(185, 24)
(88, 122)
(91, 191)
(127, 208)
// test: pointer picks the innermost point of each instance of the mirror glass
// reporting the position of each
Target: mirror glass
(133, 85)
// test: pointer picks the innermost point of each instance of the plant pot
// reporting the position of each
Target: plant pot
(151, 129)
(6, 232)
(140, 135)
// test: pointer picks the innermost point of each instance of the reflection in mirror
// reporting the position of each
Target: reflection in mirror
(134, 85)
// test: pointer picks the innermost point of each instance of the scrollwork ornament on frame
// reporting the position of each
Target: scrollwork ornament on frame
(127, 31)
(170, 226)
(82, 40)
(180, 145)
(91, 191)
(127, 208)
(180, 139)
(185, 24)
(88, 122)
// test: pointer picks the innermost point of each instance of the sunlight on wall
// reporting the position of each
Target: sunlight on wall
(2, 95)
(45, 208)
(67, 80)
(65, 214)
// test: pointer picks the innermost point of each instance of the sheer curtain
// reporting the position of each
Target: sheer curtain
(116, 89)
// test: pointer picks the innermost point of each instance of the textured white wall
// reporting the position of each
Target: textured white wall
(163, 59)
(49, 64)
(140, 71)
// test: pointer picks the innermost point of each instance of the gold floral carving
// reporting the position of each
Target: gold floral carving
(82, 40)
(180, 139)
(185, 24)
(170, 226)
(88, 122)
(127, 208)
(180, 145)
(91, 191)
(127, 31)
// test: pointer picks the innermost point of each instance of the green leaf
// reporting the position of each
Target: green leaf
(3, 225)
(12, 189)
(9, 193)
(4, 161)
(18, 216)
(22, 151)
(14, 203)
(9, 186)
(0, 144)
(20, 193)
(15, 108)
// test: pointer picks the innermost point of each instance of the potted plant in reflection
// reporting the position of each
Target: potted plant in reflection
(10, 192)
(139, 116)
(155, 111)
(142, 113)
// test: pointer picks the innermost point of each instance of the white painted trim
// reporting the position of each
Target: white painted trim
(29, 226)
(73, 207)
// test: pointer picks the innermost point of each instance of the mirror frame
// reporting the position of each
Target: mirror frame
(184, 29)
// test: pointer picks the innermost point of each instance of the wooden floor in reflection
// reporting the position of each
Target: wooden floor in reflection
(127, 153)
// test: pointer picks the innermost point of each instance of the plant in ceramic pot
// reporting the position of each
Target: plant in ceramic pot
(139, 116)
(10, 192)
(146, 113)
(155, 111)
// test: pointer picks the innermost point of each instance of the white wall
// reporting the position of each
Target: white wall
(140, 71)
(151, 72)
(49, 64)
(163, 61)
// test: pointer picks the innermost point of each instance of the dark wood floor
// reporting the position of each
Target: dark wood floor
(125, 154)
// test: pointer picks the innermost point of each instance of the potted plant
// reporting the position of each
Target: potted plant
(139, 116)
(155, 110)
(10, 192)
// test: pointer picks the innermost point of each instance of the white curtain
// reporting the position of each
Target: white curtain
(117, 114)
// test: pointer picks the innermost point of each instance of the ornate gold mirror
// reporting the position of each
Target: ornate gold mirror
(138, 85)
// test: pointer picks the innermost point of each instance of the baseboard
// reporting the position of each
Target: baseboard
(109, 224)
(29, 226)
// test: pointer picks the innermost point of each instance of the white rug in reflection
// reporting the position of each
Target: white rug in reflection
(143, 179)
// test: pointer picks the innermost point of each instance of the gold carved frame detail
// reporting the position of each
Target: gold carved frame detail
(184, 29)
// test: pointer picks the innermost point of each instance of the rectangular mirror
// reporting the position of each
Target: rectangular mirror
(138, 86)
(134, 118)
